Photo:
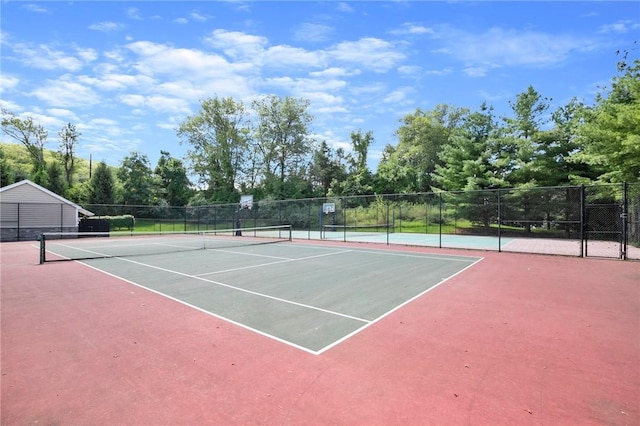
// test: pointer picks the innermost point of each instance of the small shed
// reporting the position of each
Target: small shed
(27, 210)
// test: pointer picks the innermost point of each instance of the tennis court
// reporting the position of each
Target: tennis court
(258, 329)
(310, 297)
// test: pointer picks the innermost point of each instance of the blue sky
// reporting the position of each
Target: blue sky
(127, 73)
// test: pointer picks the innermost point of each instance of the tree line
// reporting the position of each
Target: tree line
(266, 149)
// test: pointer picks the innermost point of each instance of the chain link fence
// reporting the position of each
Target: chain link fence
(595, 220)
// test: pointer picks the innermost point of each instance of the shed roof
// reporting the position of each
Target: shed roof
(13, 186)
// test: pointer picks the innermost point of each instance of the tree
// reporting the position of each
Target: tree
(137, 180)
(360, 144)
(55, 180)
(522, 136)
(282, 137)
(6, 172)
(325, 169)
(218, 136)
(173, 182)
(68, 138)
(468, 159)
(32, 136)
(611, 134)
(421, 136)
(102, 186)
(554, 164)
(359, 180)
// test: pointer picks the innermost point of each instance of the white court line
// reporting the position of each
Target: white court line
(79, 249)
(248, 254)
(386, 314)
(243, 290)
(386, 252)
(285, 260)
(239, 324)
(366, 324)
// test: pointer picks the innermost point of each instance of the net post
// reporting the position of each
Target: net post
(290, 232)
(42, 248)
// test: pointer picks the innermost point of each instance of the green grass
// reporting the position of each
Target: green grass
(419, 227)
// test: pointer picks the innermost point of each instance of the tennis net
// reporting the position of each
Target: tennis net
(59, 246)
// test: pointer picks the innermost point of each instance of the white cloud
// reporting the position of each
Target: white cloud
(63, 92)
(8, 82)
(180, 88)
(46, 121)
(35, 8)
(197, 16)
(63, 114)
(499, 47)
(620, 27)
(480, 71)
(87, 54)
(334, 72)
(372, 53)
(154, 58)
(440, 72)
(312, 32)
(168, 104)
(132, 100)
(106, 26)
(117, 81)
(409, 70)
(181, 21)
(46, 58)
(409, 28)
(10, 105)
(237, 45)
(345, 7)
(159, 103)
(398, 96)
(286, 57)
(134, 13)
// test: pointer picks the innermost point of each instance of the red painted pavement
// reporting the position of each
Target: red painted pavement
(517, 339)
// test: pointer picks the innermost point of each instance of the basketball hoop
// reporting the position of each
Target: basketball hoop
(246, 201)
(328, 208)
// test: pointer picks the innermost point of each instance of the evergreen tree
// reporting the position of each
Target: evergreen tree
(611, 134)
(326, 169)
(102, 186)
(468, 160)
(55, 179)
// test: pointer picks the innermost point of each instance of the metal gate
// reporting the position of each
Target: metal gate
(604, 230)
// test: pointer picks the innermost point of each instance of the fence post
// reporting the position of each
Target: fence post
(309, 221)
(440, 219)
(344, 220)
(499, 222)
(624, 219)
(388, 208)
(583, 224)
(426, 214)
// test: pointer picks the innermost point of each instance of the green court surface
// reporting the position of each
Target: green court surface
(310, 297)
(415, 239)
